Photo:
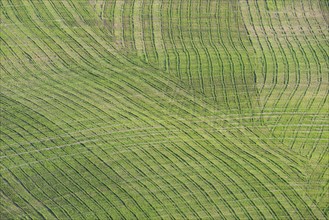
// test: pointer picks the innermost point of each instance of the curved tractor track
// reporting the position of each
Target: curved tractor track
(152, 109)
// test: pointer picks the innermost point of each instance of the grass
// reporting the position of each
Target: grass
(164, 109)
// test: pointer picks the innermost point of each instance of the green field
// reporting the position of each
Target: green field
(176, 109)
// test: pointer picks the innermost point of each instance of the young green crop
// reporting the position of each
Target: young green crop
(148, 109)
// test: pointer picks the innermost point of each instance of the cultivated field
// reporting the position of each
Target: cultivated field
(153, 109)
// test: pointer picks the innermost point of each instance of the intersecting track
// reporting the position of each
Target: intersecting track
(154, 109)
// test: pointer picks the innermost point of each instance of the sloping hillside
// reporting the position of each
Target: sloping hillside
(151, 109)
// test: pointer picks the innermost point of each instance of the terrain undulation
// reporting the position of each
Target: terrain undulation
(175, 109)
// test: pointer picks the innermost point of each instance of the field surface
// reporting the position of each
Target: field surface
(153, 109)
